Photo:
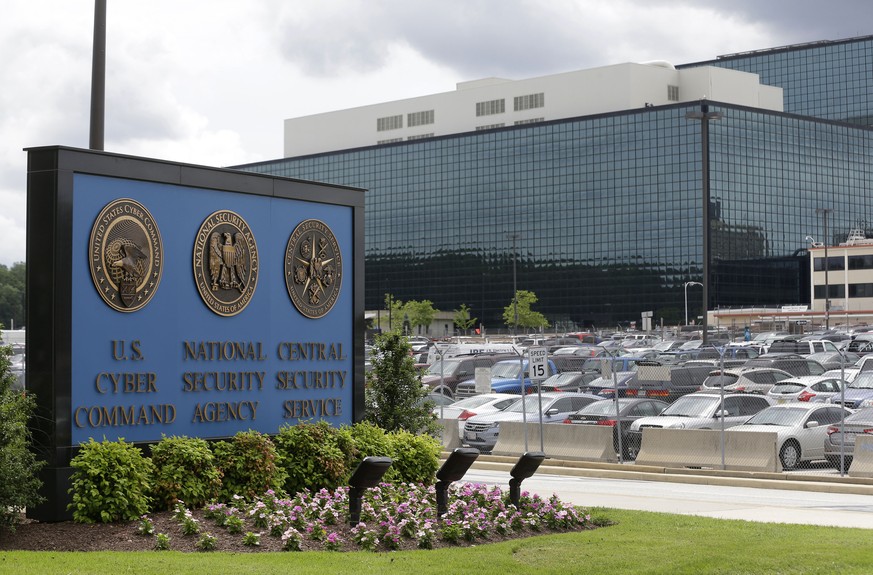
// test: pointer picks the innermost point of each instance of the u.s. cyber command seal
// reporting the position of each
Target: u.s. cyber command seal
(313, 268)
(126, 255)
(225, 263)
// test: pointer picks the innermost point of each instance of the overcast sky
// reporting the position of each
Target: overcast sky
(211, 81)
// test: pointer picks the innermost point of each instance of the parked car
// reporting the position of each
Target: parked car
(604, 413)
(811, 388)
(604, 386)
(481, 431)
(791, 362)
(835, 359)
(667, 383)
(567, 381)
(700, 410)
(745, 380)
(506, 377)
(858, 394)
(464, 409)
(443, 375)
(801, 429)
(802, 346)
(860, 344)
(840, 440)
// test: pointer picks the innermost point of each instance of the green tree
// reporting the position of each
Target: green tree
(394, 396)
(463, 319)
(420, 313)
(527, 318)
(19, 467)
(12, 286)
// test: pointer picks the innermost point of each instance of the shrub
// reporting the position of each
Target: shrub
(394, 396)
(111, 481)
(314, 456)
(184, 470)
(19, 467)
(369, 440)
(248, 464)
(415, 458)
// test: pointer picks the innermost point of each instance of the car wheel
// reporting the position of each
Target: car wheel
(631, 449)
(835, 461)
(789, 455)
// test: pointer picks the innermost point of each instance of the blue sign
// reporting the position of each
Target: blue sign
(203, 313)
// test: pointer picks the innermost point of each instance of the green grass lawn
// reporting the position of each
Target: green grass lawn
(637, 542)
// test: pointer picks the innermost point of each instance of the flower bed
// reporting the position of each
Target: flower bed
(392, 517)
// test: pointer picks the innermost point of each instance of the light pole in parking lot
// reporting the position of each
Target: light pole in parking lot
(686, 298)
(827, 264)
(704, 115)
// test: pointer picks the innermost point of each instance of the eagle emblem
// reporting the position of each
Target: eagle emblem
(225, 263)
(126, 255)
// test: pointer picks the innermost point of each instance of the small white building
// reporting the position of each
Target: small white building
(497, 102)
(847, 279)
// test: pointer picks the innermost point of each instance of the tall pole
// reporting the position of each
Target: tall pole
(704, 115)
(827, 264)
(686, 297)
(98, 76)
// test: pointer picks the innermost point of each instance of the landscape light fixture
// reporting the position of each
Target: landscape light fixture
(525, 467)
(456, 465)
(368, 474)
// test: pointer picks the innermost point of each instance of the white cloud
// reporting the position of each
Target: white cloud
(212, 82)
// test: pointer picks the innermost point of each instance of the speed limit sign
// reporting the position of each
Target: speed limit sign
(538, 358)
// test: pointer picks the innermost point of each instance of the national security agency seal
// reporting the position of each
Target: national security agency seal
(226, 263)
(313, 268)
(126, 255)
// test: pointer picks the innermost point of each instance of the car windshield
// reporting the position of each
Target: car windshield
(864, 380)
(560, 378)
(448, 366)
(720, 380)
(531, 404)
(690, 406)
(507, 370)
(788, 417)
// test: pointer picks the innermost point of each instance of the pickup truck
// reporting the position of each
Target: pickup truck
(506, 376)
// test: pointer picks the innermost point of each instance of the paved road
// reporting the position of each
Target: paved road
(725, 502)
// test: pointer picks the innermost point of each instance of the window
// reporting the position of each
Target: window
(673, 93)
(389, 123)
(531, 121)
(419, 118)
(530, 101)
(390, 141)
(489, 126)
(420, 136)
(491, 107)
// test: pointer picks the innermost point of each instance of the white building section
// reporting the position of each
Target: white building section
(496, 102)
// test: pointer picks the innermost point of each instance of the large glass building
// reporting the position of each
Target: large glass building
(601, 215)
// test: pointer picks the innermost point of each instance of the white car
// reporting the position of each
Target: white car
(811, 388)
(466, 408)
(801, 429)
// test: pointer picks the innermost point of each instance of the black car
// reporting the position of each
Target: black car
(604, 413)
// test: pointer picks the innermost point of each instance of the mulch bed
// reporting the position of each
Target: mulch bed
(70, 536)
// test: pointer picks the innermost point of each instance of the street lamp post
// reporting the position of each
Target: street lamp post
(704, 115)
(827, 264)
(686, 297)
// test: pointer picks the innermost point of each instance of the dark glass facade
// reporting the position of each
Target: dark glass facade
(601, 216)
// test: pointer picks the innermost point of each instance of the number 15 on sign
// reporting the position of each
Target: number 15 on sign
(538, 358)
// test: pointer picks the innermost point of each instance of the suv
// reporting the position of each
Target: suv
(802, 347)
(791, 362)
(698, 411)
(744, 379)
(457, 369)
(657, 384)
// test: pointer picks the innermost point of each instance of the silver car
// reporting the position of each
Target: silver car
(481, 431)
(840, 443)
(811, 388)
(700, 410)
